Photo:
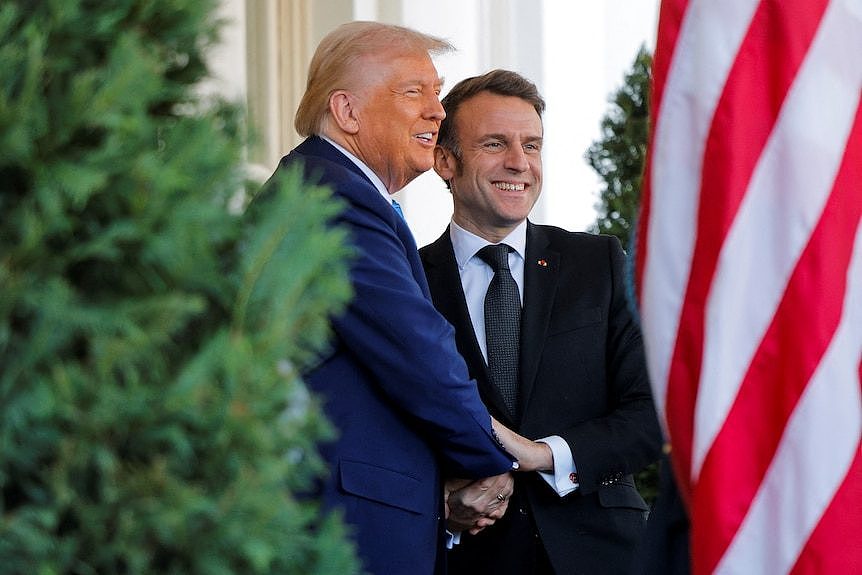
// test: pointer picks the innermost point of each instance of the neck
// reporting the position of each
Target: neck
(494, 235)
(391, 180)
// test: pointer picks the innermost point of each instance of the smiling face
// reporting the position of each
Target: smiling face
(398, 113)
(498, 178)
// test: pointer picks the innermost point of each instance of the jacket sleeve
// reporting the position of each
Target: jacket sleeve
(394, 331)
(628, 437)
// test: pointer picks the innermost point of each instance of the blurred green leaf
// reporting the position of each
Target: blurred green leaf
(151, 340)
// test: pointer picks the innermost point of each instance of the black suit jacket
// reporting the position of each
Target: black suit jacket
(583, 378)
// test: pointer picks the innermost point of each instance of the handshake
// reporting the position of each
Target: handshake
(473, 505)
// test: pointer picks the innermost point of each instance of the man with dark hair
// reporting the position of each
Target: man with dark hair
(540, 316)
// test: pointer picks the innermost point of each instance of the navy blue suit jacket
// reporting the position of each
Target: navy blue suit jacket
(394, 385)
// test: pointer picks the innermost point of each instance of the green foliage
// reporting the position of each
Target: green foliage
(618, 157)
(151, 415)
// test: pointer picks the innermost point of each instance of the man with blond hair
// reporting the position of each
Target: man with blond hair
(393, 383)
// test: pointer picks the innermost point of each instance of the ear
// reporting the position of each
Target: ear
(445, 163)
(342, 107)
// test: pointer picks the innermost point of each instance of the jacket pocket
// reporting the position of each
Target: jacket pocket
(577, 319)
(621, 495)
(383, 486)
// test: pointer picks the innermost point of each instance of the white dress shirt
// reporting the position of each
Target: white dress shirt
(476, 276)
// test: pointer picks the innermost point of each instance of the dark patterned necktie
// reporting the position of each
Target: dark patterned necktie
(502, 324)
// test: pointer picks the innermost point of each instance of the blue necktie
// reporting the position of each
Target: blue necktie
(397, 207)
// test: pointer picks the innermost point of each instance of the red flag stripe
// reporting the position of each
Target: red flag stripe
(780, 370)
(785, 196)
(670, 23)
(842, 517)
(670, 19)
(743, 120)
(749, 285)
(811, 465)
(682, 117)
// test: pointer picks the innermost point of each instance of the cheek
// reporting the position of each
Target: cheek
(536, 168)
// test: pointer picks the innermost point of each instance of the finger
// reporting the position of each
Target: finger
(456, 484)
(498, 513)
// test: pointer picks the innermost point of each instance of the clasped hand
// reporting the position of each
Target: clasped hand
(473, 505)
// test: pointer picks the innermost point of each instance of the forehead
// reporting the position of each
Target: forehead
(487, 113)
(393, 68)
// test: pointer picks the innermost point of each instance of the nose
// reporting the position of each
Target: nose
(516, 159)
(434, 109)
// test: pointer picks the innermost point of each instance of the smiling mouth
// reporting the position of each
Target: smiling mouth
(509, 186)
(425, 137)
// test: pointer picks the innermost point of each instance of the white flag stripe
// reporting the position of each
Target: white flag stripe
(712, 32)
(820, 441)
(783, 203)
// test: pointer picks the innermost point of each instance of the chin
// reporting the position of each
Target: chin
(423, 167)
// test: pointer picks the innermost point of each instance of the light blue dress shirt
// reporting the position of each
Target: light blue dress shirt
(476, 276)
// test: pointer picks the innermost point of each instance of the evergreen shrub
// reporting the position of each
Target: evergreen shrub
(151, 415)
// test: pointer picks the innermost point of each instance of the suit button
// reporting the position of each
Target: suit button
(611, 479)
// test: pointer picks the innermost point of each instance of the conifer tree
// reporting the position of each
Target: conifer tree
(151, 415)
(618, 156)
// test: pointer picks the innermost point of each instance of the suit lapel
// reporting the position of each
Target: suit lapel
(541, 275)
(315, 146)
(448, 295)
(318, 147)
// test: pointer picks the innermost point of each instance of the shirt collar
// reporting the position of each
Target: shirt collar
(466, 244)
(378, 183)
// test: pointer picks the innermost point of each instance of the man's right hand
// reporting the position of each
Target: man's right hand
(472, 506)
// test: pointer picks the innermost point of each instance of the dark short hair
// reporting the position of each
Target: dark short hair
(500, 82)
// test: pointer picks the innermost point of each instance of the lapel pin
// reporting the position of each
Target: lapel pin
(543, 263)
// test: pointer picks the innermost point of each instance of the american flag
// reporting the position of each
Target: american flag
(749, 278)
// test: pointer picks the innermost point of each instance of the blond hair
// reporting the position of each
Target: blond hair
(333, 66)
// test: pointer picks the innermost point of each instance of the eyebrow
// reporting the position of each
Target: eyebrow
(436, 82)
(505, 137)
(438, 85)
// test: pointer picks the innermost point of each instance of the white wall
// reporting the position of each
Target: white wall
(576, 53)
(589, 47)
(487, 34)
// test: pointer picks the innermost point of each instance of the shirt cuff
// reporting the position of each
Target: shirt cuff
(564, 478)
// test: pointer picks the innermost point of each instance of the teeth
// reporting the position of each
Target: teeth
(426, 136)
(506, 186)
